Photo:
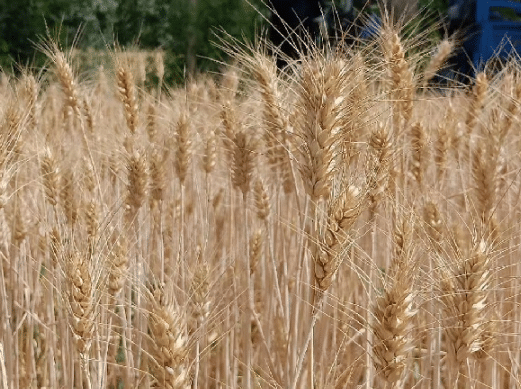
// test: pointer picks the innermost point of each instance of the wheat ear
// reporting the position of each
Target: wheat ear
(342, 214)
(381, 145)
(393, 311)
(479, 93)
(183, 151)
(265, 72)
(168, 343)
(127, 95)
(443, 52)
(80, 291)
(50, 175)
(465, 290)
(402, 77)
(137, 182)
(321, 105)
(68, 197)
(418, 143)
(484, 175)
(243, 162)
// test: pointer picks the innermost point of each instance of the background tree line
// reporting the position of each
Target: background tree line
(184, 29)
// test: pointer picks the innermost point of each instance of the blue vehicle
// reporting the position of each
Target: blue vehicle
(490, 30)
(487, 29)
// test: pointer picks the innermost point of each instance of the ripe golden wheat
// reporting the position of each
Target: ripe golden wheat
(328, 225)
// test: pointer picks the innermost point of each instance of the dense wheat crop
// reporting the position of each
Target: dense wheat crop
(338, 224)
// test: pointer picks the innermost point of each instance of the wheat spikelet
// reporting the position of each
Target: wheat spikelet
(50, 175)
(200, 288)
(512, 111)
(118, 261)
(151, 126)
(55, 246)
(265, 72)
(393, 312)
(329, 254)
(441, 148)
(243, 162)
(89, 116)
(91, 221)
(127, 95)
(183, 151)
(381, 146)
(137, 182)
(418, 142)
(68, 197)
(402, 83)
(31, 90)
(19, 229)
(210, 153)
(65, 76)
(230, 125)
(80, 292)
(229, 85)
(443, 52)
(434, 225)
(479, 93)
(465, 291)
(484, 175)
(321, 107)
(288, 179)
(89, 177)
(256, 243)
(168, 351)
(157, 175)
(262, 201)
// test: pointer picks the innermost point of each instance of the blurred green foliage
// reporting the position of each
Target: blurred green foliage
(181, 28)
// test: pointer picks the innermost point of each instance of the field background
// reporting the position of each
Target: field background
(342, 223)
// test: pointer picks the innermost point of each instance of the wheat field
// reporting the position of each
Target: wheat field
(338, 224)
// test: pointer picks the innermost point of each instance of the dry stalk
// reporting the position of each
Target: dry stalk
(3, 371)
